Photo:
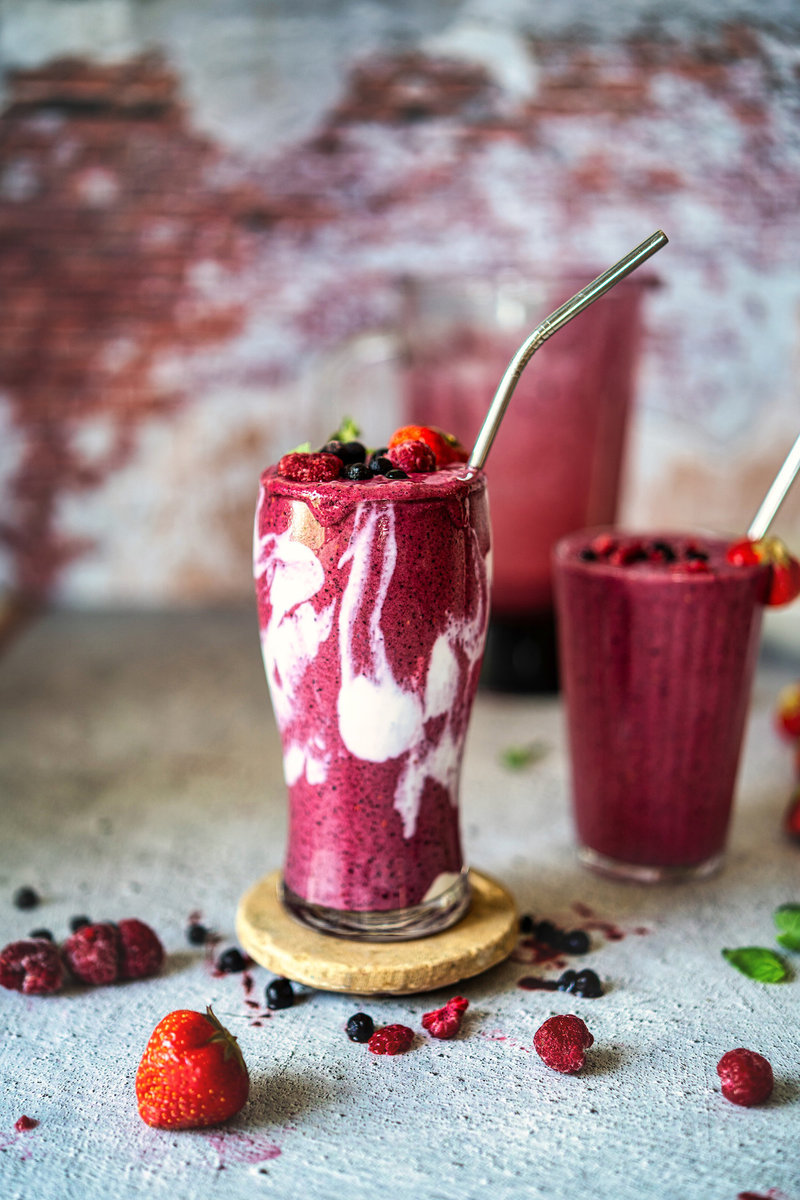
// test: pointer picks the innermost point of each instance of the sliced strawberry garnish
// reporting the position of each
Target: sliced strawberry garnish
(445, 446)
(784, 584)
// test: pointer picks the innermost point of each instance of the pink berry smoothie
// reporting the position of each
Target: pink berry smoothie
(373, 605)
(557, 461)
(658, 639)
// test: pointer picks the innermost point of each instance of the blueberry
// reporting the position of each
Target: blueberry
(587, 984)
(352, 452)
(76, 923)
(379, 465)
(547, 933)
(575, 942)
(396, 473)
(360, 1027)
(26, 897)
(196, 933)
(357, 471)
(566, 981)
(46, 934)
(280, 994)
(231, 961)
(526, 923)
(664, 550)
(587, 554)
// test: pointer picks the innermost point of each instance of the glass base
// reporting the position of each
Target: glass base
(392, 925)
(614, 868)
(520, 655)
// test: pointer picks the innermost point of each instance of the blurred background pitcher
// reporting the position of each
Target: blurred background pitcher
(557, 462)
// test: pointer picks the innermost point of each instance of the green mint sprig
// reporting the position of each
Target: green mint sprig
(516, 758)
(756, 962)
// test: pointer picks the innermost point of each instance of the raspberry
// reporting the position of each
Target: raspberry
(24, 1124)
(446, 1022)
(92, 953)
(392, 1039)
(746, 1077)
(791, 818)
(561, 1042)
(141, 953)
(412, 457)
(31, 966)
(310, 468)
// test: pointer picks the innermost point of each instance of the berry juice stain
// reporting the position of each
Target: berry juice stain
(534, 983)
(241, 1149)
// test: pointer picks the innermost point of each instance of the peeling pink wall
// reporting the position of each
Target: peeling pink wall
(178, 311)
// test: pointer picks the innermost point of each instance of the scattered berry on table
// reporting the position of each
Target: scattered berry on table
(445, 1022)
(192, 1073)
(566, 980)
(746, 1077)
(26, 897)
(412, 457)
(576, 941)
(587, 984)
(47, 934)
(92, 953)
(24, 1124)
(548, 933)
(392, 1039)
(526, 924)
(310, 468)
(360, 1027)
(562, 1042)
(280, 993)
(76, 923)
(141, 953)
(32, 966)
(196, 934)
(231, 961)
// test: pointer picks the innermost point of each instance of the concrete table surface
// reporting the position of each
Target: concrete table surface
(140, 776)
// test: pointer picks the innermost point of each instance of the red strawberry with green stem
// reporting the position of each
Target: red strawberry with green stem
(192, 1073)
(445, 446)
(784, 584)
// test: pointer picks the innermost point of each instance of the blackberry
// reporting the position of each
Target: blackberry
(280, 994)
(575, 942)
(231, 961)
(566, 981)
(360, 1027)
(396, 473)
(26, 897)
(45, 934)
(587, 984)
(358, 472)
(196, 934)
(76, 923)
(526, 924)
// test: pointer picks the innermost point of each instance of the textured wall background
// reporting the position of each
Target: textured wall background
(202, 205)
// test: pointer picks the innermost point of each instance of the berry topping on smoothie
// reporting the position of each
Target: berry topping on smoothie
(787, 712)
(784, 583)
(310, 468)
(445, 446)
(412, 456)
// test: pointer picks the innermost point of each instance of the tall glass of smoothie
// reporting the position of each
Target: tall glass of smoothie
(556, 463)
(373, 602)
(658, 639)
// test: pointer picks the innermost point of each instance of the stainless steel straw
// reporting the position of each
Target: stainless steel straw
(548, 327)
(776, 493)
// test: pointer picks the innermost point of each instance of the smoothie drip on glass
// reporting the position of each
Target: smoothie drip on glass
(373, 605)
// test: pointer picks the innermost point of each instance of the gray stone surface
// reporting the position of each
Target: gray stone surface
(140, 776)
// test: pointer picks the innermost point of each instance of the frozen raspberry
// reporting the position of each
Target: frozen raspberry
(310, 468)
(412, 457)
(140, 951)
(561, 1043)
(746, 1077)
(92, 953)
(31, 966)
(23, 1124)
(446, 1022)
(392, 1039)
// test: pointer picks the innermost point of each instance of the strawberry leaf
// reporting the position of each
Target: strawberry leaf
(756, 962)
(787, 920)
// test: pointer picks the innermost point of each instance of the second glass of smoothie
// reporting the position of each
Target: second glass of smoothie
(373, 605)
(658, 639)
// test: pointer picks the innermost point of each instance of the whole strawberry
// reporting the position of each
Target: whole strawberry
(446, 447)
(192, 1073)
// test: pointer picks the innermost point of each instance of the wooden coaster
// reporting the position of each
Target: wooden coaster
(273, 938)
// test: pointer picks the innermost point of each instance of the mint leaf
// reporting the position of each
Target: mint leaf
(787, 920)
(303, 448)
(758, 963)
(348, 431)
(517, 757)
